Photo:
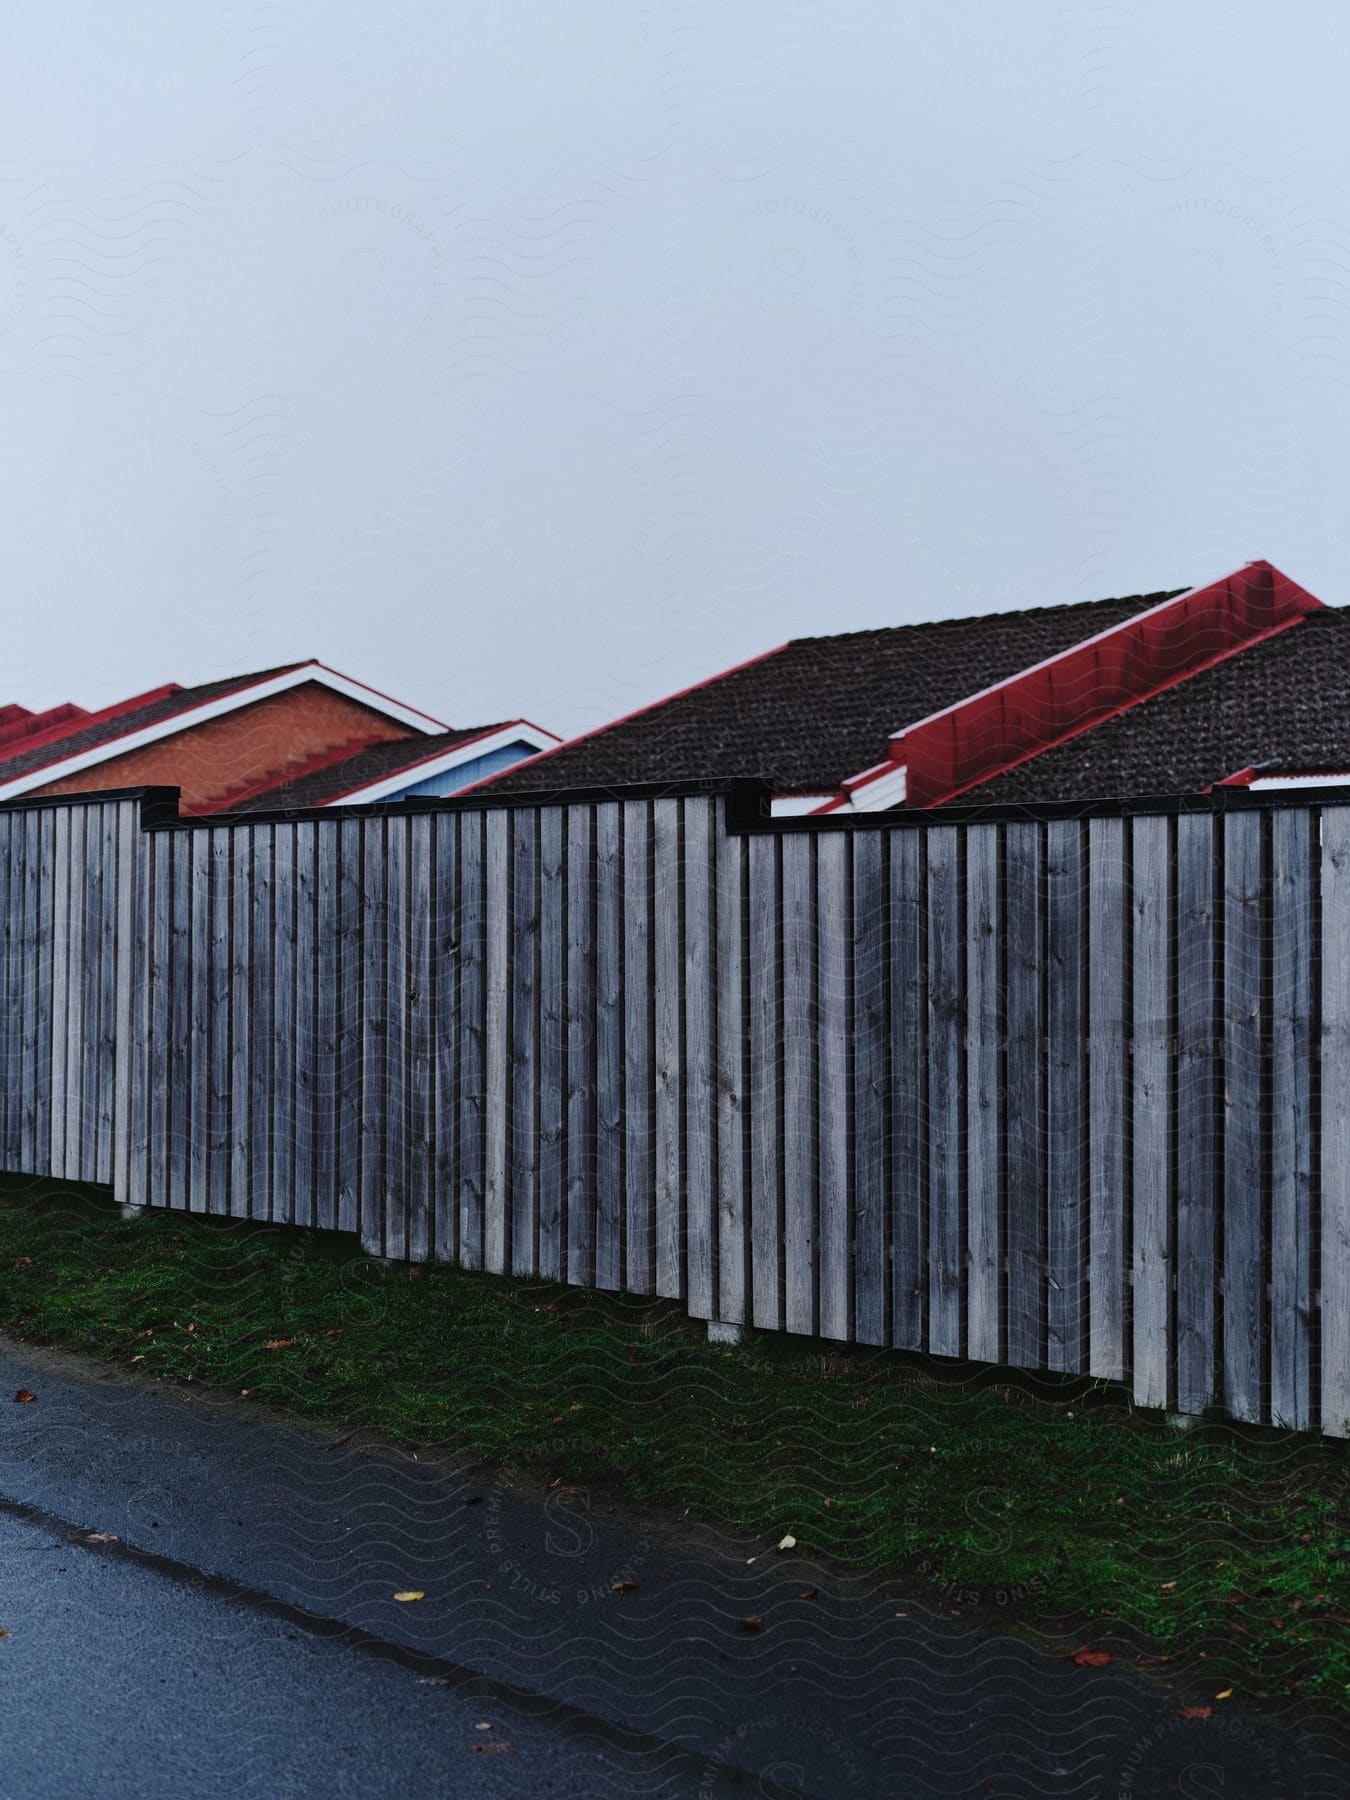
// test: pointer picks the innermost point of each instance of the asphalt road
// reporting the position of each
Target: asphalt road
(241, 1636)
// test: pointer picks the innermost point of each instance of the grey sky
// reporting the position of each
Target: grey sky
(526, 358)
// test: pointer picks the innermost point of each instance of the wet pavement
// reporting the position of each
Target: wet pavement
(241, 1635)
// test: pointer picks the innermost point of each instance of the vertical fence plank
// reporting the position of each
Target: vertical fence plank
(800, 1025)
(639, 1028)
(60, 966)
(77, 961)
(524, 1043)
(30, 977)
(447, 921)
(496, 1041)
(307, 1051)
(1025, 1097)
(609, 1005)
(199, 1006)
(1197, 1062)
(374, 1146)
(421, 1045)
(524, 1154)
(106, 1076)
(1244, 1334)
(834, 1102)
(669, 1049)
(698, 1055)
(180, 1046)
(909, 1089)
(946, 1093)
(552, 1041)
(42, 1097)
(580, 1044)
(262, 952)
(327, 1022)
(731, 1097)
(471, 1024)
(281, 1194)
(1108, 1097)
(351, 840)
(10, 963)
(1291, 1183)
(242, 843)
(394, 1138)
(766, 1169)
(1151, 1188)
(220, 980)
(1334, 1331)
(1066, 1135)
(984, 1091)
(867, 930)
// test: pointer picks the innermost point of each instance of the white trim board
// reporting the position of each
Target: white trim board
(469, 751)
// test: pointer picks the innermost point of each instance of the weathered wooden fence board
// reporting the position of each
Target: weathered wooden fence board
(1064, 1093)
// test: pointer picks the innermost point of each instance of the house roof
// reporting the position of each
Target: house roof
(815, 711)
(1284, 697)
(42, 751)
(375, 762)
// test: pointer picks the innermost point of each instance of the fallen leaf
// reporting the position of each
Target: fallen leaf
(4, 1634)
(807, 1594)
(493, 1749)
(787, 1543)
(1167, 1586)
(1195, 1712)
(1227, 1694)
(1091, 1659)
(278, 1343)
(100, 1537)
(23, 1396)
(752, 1623)
(483, 1725)
(410, 1594)
(21, 1262)
(623, 1586)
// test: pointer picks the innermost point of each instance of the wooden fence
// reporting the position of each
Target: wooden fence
(1052, 1091)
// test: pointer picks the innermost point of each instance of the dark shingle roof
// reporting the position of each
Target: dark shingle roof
(1286, 697)
(119, 724)
(820, 709)
(374, 763)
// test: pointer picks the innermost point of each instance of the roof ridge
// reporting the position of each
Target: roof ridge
(1013, 612)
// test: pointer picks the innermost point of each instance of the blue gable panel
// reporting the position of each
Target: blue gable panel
(450, 781)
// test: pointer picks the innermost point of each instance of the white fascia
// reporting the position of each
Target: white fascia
(61, 766)
(1264, 782)
(875, 790)
(790, 806)
(532, 736)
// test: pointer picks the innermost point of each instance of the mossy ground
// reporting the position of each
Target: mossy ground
(1054, 1504)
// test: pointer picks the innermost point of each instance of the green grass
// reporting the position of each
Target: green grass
(1060, 1511)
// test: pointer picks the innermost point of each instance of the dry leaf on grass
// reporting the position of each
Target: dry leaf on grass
(23, 1396)
(623, 1586)
(752, 1623)
(278, 1343)
(787, 1543)
(406, 1594)
(494, 1749)
(100, 1537)
(1091, 1659)
(1195, 1712)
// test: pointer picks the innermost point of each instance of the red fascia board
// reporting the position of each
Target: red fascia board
(638, 712)
(1055, 700)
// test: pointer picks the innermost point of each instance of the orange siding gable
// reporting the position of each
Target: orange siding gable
(273, 737)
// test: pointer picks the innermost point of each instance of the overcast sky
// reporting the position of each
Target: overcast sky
(542, 358)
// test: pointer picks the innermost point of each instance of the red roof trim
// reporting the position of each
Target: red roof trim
(1003, 726)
